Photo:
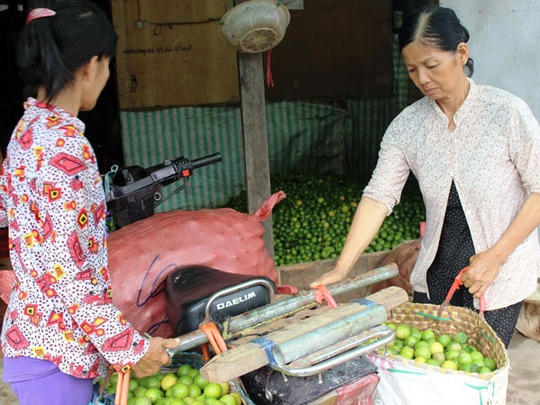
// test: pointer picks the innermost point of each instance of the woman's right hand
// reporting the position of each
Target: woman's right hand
(328, 278)
(155, 357)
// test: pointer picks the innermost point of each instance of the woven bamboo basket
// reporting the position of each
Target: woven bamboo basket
(450, 319)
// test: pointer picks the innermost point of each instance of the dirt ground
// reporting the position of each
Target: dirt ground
(523, 387)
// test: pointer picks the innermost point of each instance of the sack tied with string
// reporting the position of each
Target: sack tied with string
(142, 254)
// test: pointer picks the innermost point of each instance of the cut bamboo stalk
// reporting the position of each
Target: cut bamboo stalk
(308, 336)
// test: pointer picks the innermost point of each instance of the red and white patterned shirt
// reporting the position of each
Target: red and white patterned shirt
(53, 201)
(493, 156)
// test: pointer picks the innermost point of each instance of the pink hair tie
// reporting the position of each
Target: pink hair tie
(39, 13)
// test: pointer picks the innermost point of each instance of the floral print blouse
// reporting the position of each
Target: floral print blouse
(52, 199)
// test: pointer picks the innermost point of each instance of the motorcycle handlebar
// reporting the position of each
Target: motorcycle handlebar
(206, 160)
(164, 174)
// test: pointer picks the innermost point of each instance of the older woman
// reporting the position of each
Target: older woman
(475, 151)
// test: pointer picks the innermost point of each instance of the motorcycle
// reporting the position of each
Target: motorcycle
(281, 345)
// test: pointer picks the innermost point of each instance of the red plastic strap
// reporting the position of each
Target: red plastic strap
(122, 388)
(322, 293)
(205, 352)
(455, 286)
(214, 337)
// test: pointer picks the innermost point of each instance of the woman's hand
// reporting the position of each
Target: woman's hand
(328, 278)
(155, 357)
(482, 270)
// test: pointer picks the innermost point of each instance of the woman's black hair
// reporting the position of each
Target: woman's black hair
(435, 26)
(51, 49)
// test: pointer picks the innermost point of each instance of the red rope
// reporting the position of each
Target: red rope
(269, 78)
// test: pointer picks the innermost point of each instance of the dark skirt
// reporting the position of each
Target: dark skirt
(455, 250)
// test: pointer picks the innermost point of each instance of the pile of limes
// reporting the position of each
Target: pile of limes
(439, 349)
(185, 386)
(313, 221)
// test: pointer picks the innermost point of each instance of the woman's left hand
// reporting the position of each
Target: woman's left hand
(482, 270)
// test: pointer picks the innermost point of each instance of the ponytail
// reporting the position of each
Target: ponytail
(54, 46)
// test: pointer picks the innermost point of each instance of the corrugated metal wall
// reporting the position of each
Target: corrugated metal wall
(302, 136)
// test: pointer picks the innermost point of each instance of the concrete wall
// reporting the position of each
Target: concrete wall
(505, 44)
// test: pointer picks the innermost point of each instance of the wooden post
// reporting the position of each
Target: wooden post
(253, 117)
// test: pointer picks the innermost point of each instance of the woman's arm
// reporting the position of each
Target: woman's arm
(3, 194)
(484, 266)
(367, 220)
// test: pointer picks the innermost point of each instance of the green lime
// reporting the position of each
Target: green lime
(444, 339)
(428, 334)
(454, 346)
(433, 362)
(212, 390)
(422, 351)
(490, 363)
(406, 352)
(184, 369)
(178, 390)
(449, 365)
(153, 394)
(464, 358)
(476, 355)
(460, 337)
(403, 331)
(436, 347)
(451, 355)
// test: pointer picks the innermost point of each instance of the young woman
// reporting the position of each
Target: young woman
(61, 329)
(475, 151)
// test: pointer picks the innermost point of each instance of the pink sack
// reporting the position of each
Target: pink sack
(142, 254)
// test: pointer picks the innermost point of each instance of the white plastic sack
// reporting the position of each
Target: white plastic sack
(403, 383)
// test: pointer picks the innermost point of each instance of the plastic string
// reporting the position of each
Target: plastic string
(437, 318)
(365, 302)
(269, 77)
(267, 345)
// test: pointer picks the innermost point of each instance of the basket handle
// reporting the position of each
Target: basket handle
(455, 286)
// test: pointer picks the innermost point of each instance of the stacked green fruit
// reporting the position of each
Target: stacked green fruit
(185, 386)
(439, 349)
(313, 221)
